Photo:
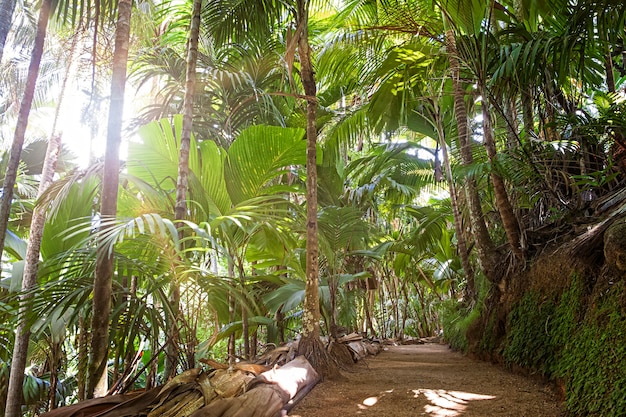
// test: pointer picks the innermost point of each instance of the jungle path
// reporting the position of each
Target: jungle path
(428, 380)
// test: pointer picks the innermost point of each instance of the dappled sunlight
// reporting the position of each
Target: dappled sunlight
(445, 403)
(442, 403)
(372, 401)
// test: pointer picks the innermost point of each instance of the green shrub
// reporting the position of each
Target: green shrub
(456, 319)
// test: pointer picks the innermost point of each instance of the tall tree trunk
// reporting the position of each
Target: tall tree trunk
(22, 121)
(20, 349)
(484, 246)
(310, 345)
(231, 315)
(461, 243)
(368, 303)
(245, 327)
(103, 282)
(509, 219)
(7, 7)
(171, 358)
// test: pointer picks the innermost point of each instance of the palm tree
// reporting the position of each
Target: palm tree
(22, 121)
(484, 245)
(31, 265)
(96, 382)
(14, 401)
(183, 171)
(310, 345)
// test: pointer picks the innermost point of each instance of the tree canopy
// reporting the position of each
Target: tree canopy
(288, 169)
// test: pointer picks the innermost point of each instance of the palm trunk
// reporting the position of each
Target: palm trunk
(7, 7)
(310, 345)
(231, 315)
(20, 350)
(332, 295)
(509, 219)
(171, 357)
(103, 282)
(55, 363)
(22, 121)
(461, 243)
(512, 125)
(83, 340)
(245, 328)
(527, 111)
(368, 303)
(484, 246)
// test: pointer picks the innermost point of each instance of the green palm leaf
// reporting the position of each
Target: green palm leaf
(259, 155)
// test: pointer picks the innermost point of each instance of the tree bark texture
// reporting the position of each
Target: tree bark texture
(103, 281)
(22, 121)
(484, 246)
(310, 345)
(182, 182)
(20, 350)
(509, 219)
(461, 242)
(31, 263)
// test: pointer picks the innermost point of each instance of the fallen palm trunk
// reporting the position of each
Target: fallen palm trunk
(360, 347)
(132, 404)
(216, 393)
(268, 394)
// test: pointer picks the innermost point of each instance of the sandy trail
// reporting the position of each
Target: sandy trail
(428, 380)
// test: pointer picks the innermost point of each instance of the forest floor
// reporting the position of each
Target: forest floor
(428, 380)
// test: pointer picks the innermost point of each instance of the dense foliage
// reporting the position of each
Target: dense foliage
(451, 145)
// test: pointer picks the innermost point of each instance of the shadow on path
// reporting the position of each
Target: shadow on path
(428, 380)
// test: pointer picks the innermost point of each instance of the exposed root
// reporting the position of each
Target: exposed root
(318, 357)
(341, 354)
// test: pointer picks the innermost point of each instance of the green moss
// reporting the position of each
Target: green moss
(529, 341)
(593, 362)
(582, 345)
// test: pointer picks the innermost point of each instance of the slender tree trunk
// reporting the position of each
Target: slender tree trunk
(368, 303)
(103, 282)
(332, 295)
(20, 349)
(509, 219)
(55, 359)
(83, 340)
(280, 324)
(22, 120)
(461, 243)
(231, 315)
(245, 328)
(310, 345)
(512, 125)
(484, 246)
(527, 111)
(405, 308)
(31, 264)
(180, 211)
(7, 7)
(610, 77)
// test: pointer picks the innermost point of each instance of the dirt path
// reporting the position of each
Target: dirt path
(428, 380)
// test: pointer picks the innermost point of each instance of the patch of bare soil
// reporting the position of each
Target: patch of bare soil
(428, 380)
